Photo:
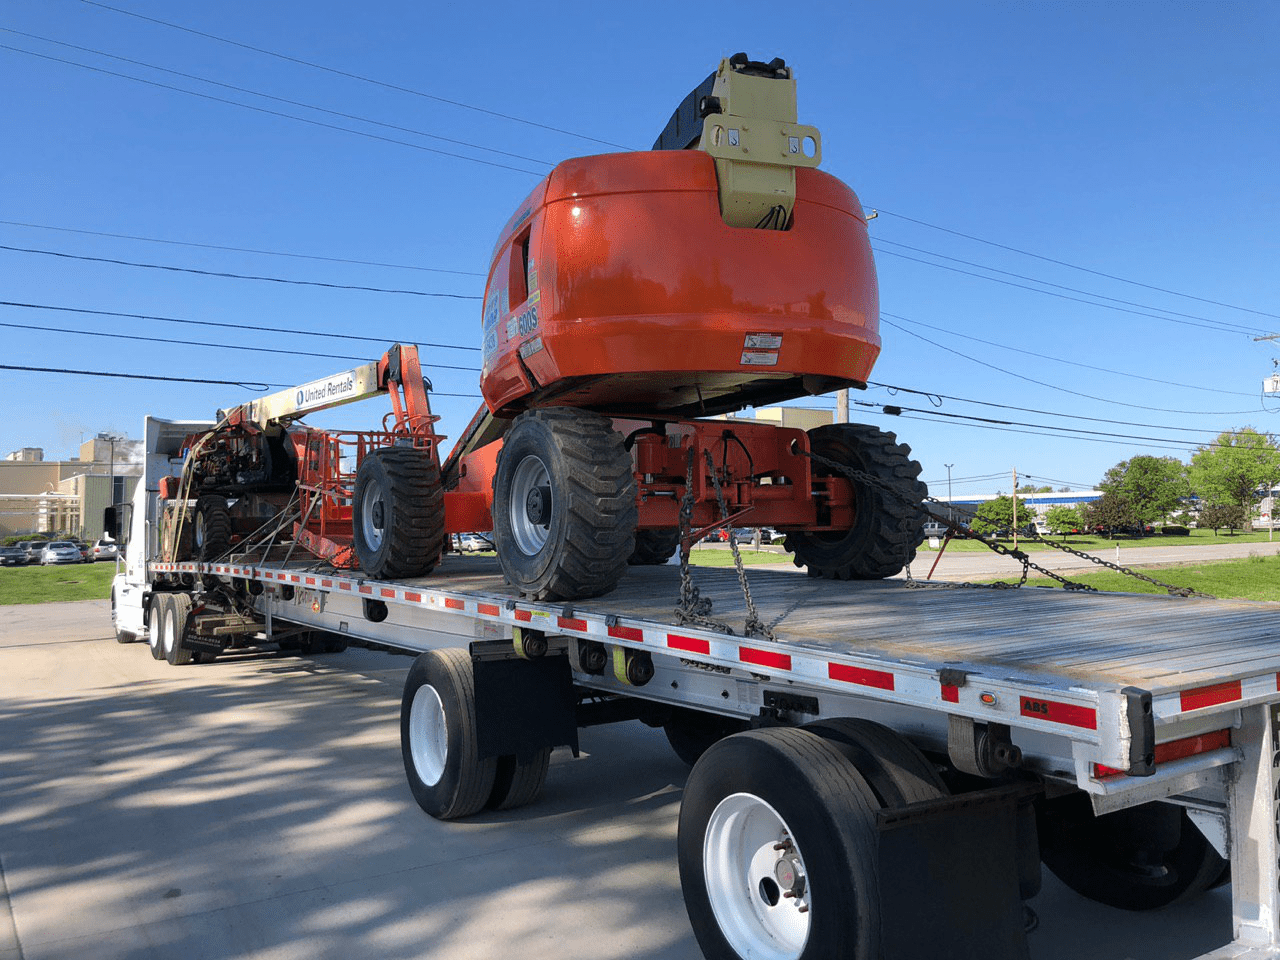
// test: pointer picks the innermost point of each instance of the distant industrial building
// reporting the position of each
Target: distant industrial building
(40, 496)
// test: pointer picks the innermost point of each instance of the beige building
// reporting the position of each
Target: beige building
(39, 496)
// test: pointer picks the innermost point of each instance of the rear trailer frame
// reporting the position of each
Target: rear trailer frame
(1122, 696)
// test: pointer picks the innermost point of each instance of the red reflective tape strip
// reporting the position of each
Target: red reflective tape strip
(387, 592)
(1177, 750)
(1211, 696)
(326, 583)
(691, 644)
(296, 579)
(627, 633)
(950, 693)
(1054, 712)
(311, 581)
(413, 597)
(453, 604)
(879, 679)
(765, 658)
(569, 623)
(344, 586)
(488, 609)
(365, 588)
(524, 616)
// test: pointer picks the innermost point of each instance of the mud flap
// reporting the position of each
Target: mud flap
(523, 706)
(949, 877)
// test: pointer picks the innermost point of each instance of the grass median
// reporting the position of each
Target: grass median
(1252, 578)
(74, 581)
(1097, 544)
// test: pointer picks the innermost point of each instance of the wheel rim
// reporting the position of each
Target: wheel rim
(157, 630)
(530, 490)
(169, 630)
(198, 531)
(751, 863)
(428, 735)
(373, 508)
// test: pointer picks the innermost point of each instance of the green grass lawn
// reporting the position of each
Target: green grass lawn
(723, 556)
(1253, 578)
(1093, 544)
(74, 581)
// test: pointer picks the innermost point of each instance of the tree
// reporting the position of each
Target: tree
(1229, 515)
(1152, 487)
(996, 516)
(1236, 469)
(1063, 519)
(1112, 511)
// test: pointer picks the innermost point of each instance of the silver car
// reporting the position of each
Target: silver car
(60, 551)
(105, 550)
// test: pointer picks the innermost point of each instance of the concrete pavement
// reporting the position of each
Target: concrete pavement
(256, 808)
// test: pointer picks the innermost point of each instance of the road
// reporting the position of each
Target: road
(256, 808)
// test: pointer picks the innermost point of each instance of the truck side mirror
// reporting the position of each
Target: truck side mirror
(116, 522)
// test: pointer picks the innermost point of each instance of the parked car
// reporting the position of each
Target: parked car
(33, 548)
(12, 556)
(61, 551)
(934, 529)
(86, 550)
(473, 543)
(105, 550)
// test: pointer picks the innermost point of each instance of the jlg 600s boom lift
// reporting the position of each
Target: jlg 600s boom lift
(631, 297)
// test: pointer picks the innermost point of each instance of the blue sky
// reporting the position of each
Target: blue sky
(1140, 140)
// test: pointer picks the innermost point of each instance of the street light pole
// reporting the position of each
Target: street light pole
(951, 510)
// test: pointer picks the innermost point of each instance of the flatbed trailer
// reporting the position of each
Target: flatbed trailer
(985, 727)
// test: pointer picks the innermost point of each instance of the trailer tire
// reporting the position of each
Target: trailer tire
(887, 527)
(176, 624)
(692, 732)
(1143, 858)
(564, 505)
(180, 549)
(155, 625)
(438, 736)
(766, 787)
(517, 783)
(895, 769)
(398, 513)
(654, 547)
(211, 528)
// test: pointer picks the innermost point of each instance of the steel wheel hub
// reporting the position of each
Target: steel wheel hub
(373, 509)
(756, 879)
(532, 510)
(428, 735)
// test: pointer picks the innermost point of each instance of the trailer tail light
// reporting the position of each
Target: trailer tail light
(1176, 750)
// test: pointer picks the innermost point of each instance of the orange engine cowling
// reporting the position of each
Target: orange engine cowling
(618, 287)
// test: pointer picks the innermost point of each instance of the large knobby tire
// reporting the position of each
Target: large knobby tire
(1142, 858)
(155, 625)
(181, 548)
(564, 505)
(438, 737)
(397, 513)
(895, 769)
(211, 528)
(761, 809)
(177, 621)
(886, 527)
(692, 732)
(518, 782)
(654, 547)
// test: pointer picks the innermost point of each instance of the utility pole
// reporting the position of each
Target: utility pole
(951, 510)
(842, 406)
(1015, 508)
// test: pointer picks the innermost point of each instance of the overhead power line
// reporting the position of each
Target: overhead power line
(1072, 363)
(1051, 386)
(1073, 266)
(354, 76)
(267, 253)
(285, 100)
(238, 347)
(1059, 286)
(236, 276)
(248, 385)
(272, 113)
(1212, 325)
(257, 328)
